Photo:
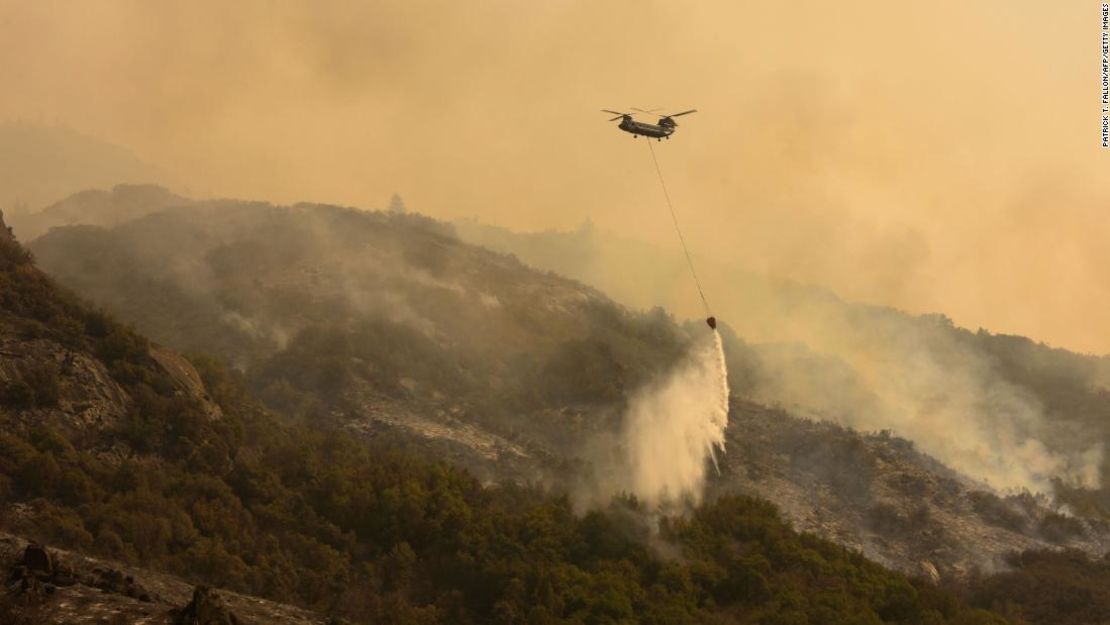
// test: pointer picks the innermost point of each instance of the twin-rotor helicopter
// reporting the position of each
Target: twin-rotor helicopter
(663, 129)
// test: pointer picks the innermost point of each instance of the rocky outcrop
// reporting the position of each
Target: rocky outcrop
(206, 608)
(45, 381)
(119, 583)
(36, 575)
(185, 378)
(55, 586)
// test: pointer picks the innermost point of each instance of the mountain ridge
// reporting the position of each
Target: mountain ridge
(299, 509)
(41, 163)
(513, 389)
(346, 489)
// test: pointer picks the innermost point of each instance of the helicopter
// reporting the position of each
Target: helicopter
(661, 130)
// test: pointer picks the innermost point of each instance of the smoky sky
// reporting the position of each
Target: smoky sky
(938, 156)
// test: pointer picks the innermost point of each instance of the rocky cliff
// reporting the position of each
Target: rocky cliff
(48, 585)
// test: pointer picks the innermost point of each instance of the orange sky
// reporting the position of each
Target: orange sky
(938, 156)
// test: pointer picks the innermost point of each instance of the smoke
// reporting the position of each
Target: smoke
(671, 429)
(817, 167)
(874, 370)
(861, 366)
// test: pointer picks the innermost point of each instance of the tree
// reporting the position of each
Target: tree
(396, 205)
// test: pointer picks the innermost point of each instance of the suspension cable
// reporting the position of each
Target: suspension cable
(677, 229)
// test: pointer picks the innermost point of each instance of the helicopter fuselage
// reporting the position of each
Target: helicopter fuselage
(657, 131)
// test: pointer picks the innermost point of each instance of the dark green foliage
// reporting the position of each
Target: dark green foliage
(17, 394)
(33, 304)
(1048, 588)
(583, 371)
(887, 520)
(998, 511)
(36, 387)
(1059, 528)
(12, 255)
(323, 361)
(741, 552)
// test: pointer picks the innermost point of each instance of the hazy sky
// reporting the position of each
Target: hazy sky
(934, 156)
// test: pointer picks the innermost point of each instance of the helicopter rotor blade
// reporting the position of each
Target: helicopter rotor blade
(613, 112)
(649, 111)
(683, 113)
(616, 118)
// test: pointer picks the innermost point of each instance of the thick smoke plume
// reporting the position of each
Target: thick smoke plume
(672, 428)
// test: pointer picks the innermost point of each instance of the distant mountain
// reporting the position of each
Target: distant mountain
(43, 164)
(96, 207)
(390, 325)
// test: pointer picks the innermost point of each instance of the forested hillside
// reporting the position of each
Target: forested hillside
(202, 481)
(388, 326)
(329, 310)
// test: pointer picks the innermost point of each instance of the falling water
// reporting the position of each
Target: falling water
(674, 426)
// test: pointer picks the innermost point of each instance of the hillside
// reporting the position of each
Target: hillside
(115, 447)
(95, 207)
(41, 164)
(880, 495)
(1004, 409)
(335, 311)
(389, 326)
(1041, 412)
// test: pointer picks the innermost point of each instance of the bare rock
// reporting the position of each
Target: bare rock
(31, 578)
(82, 589)
(37, 559)
(185, 378)
(929, 571)
(115, 582)
(206, 608)
(83, 396)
